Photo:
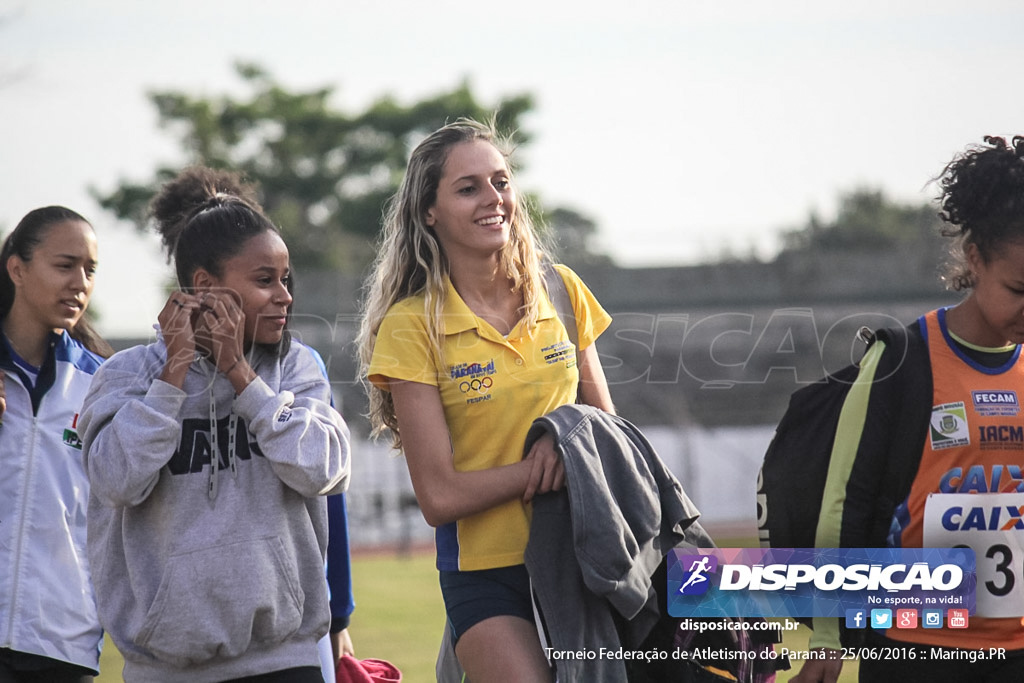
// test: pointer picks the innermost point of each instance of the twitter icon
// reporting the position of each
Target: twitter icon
(881, 618)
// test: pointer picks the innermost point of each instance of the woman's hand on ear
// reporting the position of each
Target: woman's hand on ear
(179, 337)
(223, 330)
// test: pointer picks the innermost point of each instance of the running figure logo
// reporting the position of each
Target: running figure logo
(697, 569)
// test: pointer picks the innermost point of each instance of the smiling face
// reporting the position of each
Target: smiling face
(259, 275)
(53, 287)
(475, 203)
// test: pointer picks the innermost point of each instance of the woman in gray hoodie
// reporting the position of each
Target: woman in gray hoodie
(209, 453)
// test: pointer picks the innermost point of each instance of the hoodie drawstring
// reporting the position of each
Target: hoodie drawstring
(215, 442)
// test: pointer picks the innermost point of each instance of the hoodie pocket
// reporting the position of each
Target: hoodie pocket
(217, 602)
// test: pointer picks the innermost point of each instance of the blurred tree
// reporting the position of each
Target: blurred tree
(867, 220)
(324, 174)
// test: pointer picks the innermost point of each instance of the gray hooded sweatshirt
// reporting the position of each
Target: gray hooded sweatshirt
(203, 572)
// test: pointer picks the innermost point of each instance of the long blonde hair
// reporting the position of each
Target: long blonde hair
(411, 260)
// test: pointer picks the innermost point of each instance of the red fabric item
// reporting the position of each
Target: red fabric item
(352, 670)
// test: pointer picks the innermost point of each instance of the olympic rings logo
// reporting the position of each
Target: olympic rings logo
(479, 385)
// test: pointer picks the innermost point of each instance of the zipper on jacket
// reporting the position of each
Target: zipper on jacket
(20, 534)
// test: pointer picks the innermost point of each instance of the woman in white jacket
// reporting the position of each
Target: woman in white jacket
(209, 453)
(48, 354)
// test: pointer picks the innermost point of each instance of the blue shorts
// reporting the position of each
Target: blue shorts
(470, 597)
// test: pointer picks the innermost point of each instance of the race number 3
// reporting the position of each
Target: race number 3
(991, 524)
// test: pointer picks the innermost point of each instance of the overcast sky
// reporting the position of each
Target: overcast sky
(685, 129)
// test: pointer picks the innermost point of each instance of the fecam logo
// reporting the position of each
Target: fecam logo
(695, 578)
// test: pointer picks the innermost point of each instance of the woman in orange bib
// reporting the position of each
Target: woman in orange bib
(968, 488)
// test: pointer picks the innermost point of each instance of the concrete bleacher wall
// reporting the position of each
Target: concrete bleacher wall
(720, 344)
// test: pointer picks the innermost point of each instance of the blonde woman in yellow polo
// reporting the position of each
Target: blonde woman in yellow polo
(463, 350)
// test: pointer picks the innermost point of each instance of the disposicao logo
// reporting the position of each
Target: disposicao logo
(695, 579)
(818, 582)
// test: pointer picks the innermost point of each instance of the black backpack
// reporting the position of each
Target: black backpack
(791, 482)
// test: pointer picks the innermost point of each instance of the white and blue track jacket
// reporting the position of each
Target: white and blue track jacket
(47, 605)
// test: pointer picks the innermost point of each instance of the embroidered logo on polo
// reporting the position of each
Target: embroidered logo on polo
(995, 403)
(949, 427)
(559, 352)
(474, 379)
(471, 370)
(479, 386)
(195, 447)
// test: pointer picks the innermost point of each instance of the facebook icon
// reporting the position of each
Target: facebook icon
(856, 618)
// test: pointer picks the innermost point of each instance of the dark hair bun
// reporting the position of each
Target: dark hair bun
(195, 189)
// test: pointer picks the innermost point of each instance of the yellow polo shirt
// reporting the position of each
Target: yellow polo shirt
(492, 389)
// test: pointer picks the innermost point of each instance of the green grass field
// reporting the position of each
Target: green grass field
(399, 613)
(399, 616)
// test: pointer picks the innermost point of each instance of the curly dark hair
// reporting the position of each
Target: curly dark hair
(982, 202)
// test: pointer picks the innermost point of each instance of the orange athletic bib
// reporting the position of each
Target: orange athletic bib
(975, 446)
